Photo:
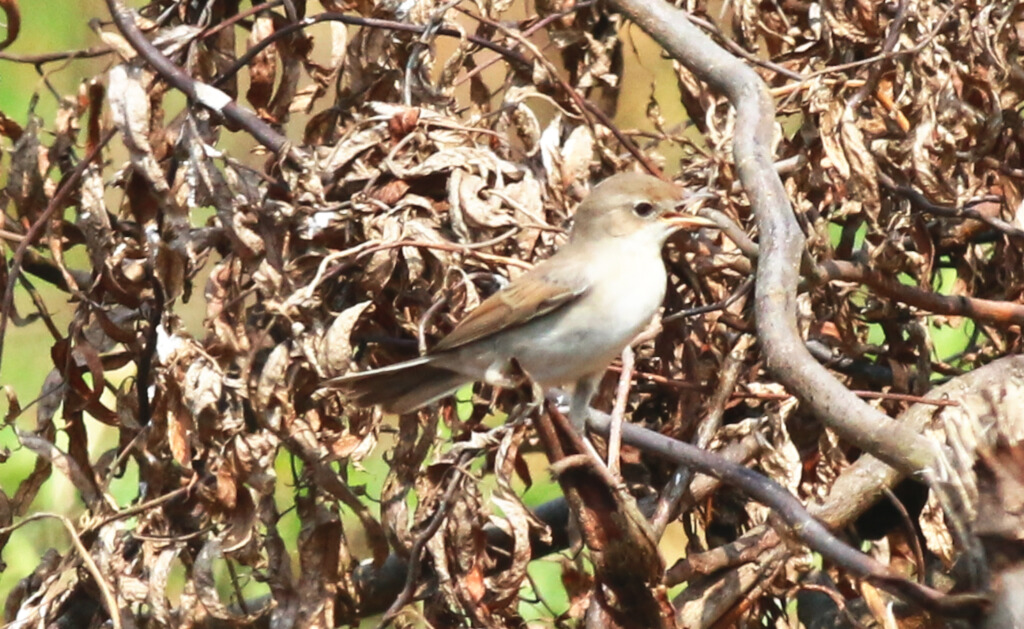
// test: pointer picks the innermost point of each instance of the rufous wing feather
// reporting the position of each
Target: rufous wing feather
(528, 297)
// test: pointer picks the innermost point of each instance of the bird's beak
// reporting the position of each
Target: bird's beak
(679, 219)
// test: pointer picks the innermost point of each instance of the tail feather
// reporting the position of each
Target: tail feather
(400, 388)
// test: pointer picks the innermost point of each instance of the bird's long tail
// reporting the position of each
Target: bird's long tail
(400, 388)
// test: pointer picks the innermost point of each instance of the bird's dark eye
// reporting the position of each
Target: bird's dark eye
(643, 209)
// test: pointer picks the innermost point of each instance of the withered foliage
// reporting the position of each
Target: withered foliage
(433, 151)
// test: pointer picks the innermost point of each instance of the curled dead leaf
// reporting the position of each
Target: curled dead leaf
(336, 349)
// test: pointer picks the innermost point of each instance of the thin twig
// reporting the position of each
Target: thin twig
(584, 105)
(412, 576)
(988, 310)
(453, 247)
(739, 293)
(237, 17)
(533, 28)
(743, 52)
(672, 495)
(910, 530)
(109, 600)
(893, 38)
(50, 57)
(330, 16)
(921, 202)
(869, 395)
(843, 67)
(619, 409)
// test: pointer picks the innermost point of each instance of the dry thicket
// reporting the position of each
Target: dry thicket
(434, 150)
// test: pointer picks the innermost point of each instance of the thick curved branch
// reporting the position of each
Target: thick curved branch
(781, 242)
(864, 482)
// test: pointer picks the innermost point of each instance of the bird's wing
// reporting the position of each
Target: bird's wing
(535, 294)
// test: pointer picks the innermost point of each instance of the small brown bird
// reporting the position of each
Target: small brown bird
(564, 320)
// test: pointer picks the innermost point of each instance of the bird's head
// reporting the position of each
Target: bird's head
(633, 205)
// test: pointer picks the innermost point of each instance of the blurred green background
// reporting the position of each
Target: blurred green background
(45, 27)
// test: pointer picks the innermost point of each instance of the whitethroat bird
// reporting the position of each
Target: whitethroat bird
(563, 321)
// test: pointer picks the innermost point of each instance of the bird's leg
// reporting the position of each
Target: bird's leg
(579, 406)
(579, 412)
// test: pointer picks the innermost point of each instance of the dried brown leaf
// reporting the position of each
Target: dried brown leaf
(160, 562)
(204, 582)
(465, 196)
(263, 66)
(273, 378)
(25, 175)
(130, 113)
(577, 154)
(65, 464)
(517, 521)
(292, 50)
(336, 349)
(179, 431)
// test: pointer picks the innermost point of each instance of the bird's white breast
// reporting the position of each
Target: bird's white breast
(582, 338)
